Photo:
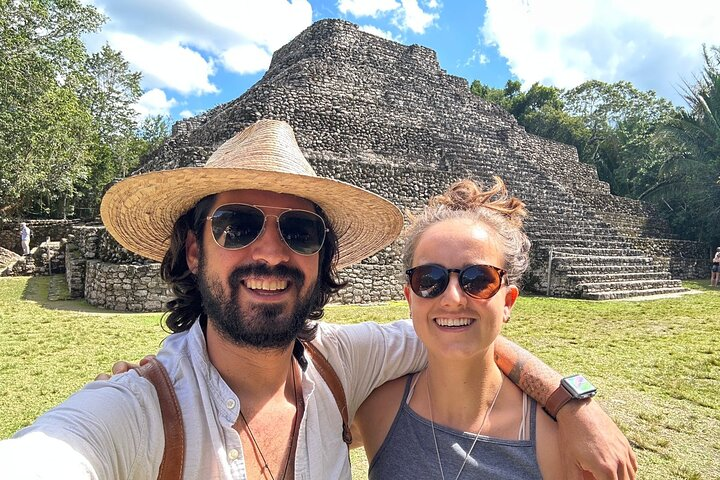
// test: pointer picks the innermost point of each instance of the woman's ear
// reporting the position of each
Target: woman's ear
(192, 252)
(510, 297)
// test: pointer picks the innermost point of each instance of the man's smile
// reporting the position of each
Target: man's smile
(266, 284)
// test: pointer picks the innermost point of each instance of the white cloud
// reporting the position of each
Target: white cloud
(414, 18)
(186, 114)
(378, 32)
(367, 8)
(154, 102)
(167, 64)
(177, 44)
(267, 23)
(406, 15)
(477, 57)
(246, 59)
(650, 43)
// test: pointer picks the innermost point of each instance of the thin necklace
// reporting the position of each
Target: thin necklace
(299, 405)
(477, 435)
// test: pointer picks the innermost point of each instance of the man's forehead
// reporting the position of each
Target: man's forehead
(263, 197)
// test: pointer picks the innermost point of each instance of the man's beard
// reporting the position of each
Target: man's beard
(262, 326)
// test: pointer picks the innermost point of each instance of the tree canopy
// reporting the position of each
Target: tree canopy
(67, 126)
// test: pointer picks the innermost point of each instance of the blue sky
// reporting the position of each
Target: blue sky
(196, 54)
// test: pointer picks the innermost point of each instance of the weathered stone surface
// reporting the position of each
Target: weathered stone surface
(141, 286)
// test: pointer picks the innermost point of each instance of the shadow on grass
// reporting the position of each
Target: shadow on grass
(37, 289)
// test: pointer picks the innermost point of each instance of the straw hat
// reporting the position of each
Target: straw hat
(140, 211)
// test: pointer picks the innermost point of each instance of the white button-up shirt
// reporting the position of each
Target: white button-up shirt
(113, 429)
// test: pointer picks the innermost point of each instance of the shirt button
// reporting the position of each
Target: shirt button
(233, 454)
(230, 404)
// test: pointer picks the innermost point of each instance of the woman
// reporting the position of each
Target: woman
(463, 254)
(715, 272)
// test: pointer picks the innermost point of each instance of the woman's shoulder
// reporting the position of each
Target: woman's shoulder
(377, 413)
(386, 394)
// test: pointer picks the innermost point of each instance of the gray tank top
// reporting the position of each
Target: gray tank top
(408, 451)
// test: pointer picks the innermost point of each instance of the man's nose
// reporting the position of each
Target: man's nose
(269, 247)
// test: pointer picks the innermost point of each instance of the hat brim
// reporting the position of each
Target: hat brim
(140, 211)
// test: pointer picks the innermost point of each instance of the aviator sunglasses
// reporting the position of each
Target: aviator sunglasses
(237, 225)
(478, 281)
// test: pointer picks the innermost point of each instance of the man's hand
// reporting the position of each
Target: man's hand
(591, 443)
(122, 367)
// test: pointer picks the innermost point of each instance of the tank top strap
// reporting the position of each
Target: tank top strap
(533, 418)
(410, 388)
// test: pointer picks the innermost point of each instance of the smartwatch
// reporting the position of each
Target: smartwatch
(574, 387)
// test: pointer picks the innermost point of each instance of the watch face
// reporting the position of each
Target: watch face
(579, 386)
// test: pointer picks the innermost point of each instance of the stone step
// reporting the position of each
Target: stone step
(571, 252)
(568, 225)
(585, 260)
(560, 246)
(636, 285)
(561, 235)
(618, 294)
(570, 269)
(619, 276)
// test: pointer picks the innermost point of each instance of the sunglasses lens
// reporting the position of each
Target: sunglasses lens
(428, 281)
(304, 232)
(237, 226)
(480, 281)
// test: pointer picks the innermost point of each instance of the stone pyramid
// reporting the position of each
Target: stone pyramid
(386, 117)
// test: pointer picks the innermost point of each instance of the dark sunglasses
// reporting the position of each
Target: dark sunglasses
(237, 225)
(478, 281)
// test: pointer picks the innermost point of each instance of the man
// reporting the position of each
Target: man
(250, 243)
(25, 238)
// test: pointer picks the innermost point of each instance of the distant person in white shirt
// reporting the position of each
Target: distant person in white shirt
(25, 238)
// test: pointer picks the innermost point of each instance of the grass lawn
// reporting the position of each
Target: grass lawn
(656, 363)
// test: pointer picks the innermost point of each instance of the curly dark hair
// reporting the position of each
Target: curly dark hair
(186, 307)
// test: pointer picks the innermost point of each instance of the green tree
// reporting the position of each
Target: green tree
(540, 110)
(40, 48)
(688, 183)
(621, 122)
(108, 89)
(67, 122)
(154, 130)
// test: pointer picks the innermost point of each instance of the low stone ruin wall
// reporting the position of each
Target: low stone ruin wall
(109, 276)
(133, 288)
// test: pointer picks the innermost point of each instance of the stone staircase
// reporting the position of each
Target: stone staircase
(578, 253)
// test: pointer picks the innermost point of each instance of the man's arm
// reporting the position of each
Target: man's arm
(589, 439)
(106, 430)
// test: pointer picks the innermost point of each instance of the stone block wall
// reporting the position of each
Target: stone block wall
(109, 276)
(133, 288)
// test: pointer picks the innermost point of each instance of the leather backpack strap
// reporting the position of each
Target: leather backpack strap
(327, 372)
(171, 467)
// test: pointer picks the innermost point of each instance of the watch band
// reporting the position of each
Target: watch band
(555, 402)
